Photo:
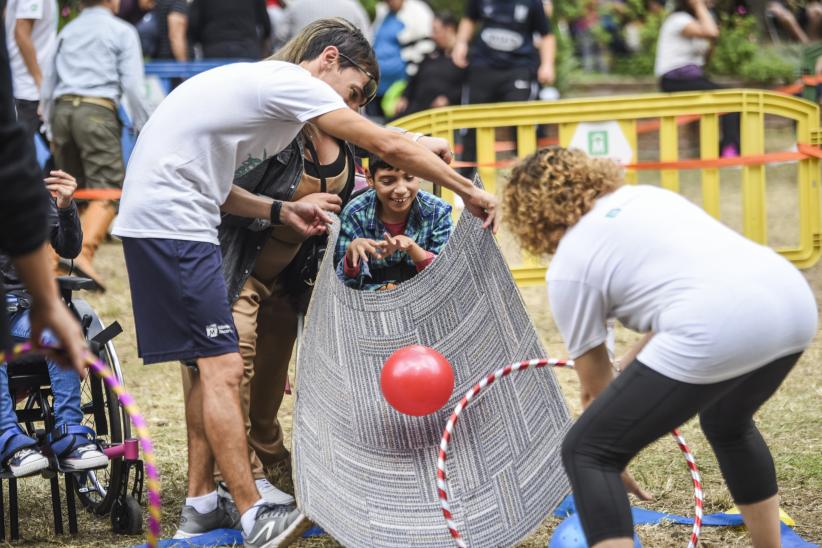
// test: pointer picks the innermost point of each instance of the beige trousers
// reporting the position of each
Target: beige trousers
(267, 328)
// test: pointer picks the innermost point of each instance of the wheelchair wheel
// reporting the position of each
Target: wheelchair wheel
(98, 489)
(127, 516)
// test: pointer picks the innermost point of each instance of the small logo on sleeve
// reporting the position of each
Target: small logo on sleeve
(213, 330)
(613, 213)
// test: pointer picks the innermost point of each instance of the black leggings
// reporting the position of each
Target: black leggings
(639, 407)
(729, 123)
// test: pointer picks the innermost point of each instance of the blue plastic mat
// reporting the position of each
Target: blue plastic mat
(648, 517)
(218, 537)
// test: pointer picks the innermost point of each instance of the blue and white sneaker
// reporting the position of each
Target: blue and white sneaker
(85, 457)
(26, 461)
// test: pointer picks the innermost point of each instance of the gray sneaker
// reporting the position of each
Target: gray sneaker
(193, 523)
(276, 525)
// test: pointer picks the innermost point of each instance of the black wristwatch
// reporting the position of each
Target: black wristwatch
(276, 208)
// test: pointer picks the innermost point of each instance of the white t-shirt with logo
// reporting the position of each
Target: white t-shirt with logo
(674, 50)
(719, 305)
(217, 125)
(43, 36)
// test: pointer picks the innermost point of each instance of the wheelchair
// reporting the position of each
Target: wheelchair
(115, 490)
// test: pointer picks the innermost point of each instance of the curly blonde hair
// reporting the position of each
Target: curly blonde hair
(550, 190)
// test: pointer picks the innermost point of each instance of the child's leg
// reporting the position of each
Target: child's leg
(8, 418)
(65, 383)
(12, 438)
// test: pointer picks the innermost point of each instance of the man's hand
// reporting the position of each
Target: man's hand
(361, 248)
(545, 74)
(54, 315)
(440, 101)
(440, 147)
(324, 200)
(305, 218)
(485, 206)
(62, 186)
(460, 54)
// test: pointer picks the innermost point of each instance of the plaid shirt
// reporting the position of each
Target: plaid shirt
(429, 225)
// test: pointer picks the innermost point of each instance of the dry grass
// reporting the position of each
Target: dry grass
(790, 423)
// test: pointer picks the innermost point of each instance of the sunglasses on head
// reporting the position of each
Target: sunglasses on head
(370, 88)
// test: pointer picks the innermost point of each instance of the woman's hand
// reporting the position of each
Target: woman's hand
(483, 205)
(633, 487)
(323, 200)
(62, 186)
(361, 248)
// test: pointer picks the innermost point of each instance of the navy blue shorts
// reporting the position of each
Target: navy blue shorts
(179, 299)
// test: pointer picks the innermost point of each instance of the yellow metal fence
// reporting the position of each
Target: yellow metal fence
(630, 112)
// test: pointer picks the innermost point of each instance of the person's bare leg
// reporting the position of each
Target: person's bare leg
(762, 520)
(220, 378)
(200, 457)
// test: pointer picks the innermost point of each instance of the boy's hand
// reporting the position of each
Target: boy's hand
(324, 200)
(307, 219)
(403, 244)
(485, 206)
(62, 186)
(361, 248)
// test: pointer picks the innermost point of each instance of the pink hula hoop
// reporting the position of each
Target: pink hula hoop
(448, 432)
(140, 427)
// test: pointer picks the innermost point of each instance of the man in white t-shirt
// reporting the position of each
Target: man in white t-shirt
(219, 125)
(725, 320)
(31, 35)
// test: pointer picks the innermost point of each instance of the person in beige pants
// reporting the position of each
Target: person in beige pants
(265, 314)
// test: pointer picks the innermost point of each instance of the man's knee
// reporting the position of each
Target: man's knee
(224, 371)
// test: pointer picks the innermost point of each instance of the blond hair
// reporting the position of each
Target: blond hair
(550, 190)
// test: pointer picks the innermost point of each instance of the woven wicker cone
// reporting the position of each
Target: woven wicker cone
(365, 472)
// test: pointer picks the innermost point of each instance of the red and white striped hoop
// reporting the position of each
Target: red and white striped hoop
(448, 432)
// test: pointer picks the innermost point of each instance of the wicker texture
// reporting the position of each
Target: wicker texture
(366, 473)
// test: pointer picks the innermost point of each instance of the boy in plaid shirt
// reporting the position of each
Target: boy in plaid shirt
(391, 231)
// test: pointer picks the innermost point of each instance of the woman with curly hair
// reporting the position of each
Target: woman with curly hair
(725, 320)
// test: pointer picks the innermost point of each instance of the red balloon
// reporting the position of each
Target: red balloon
(417, 380)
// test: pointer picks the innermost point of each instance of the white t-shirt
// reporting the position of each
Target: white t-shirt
(673, 50)
(719, 305)
(43, 36)
(217, 125)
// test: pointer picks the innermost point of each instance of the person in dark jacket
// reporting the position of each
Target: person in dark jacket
(438, 81)
(23, 208)
(230, 30)
(72, 443)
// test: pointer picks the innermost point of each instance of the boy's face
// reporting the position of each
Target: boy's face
(395, 190)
